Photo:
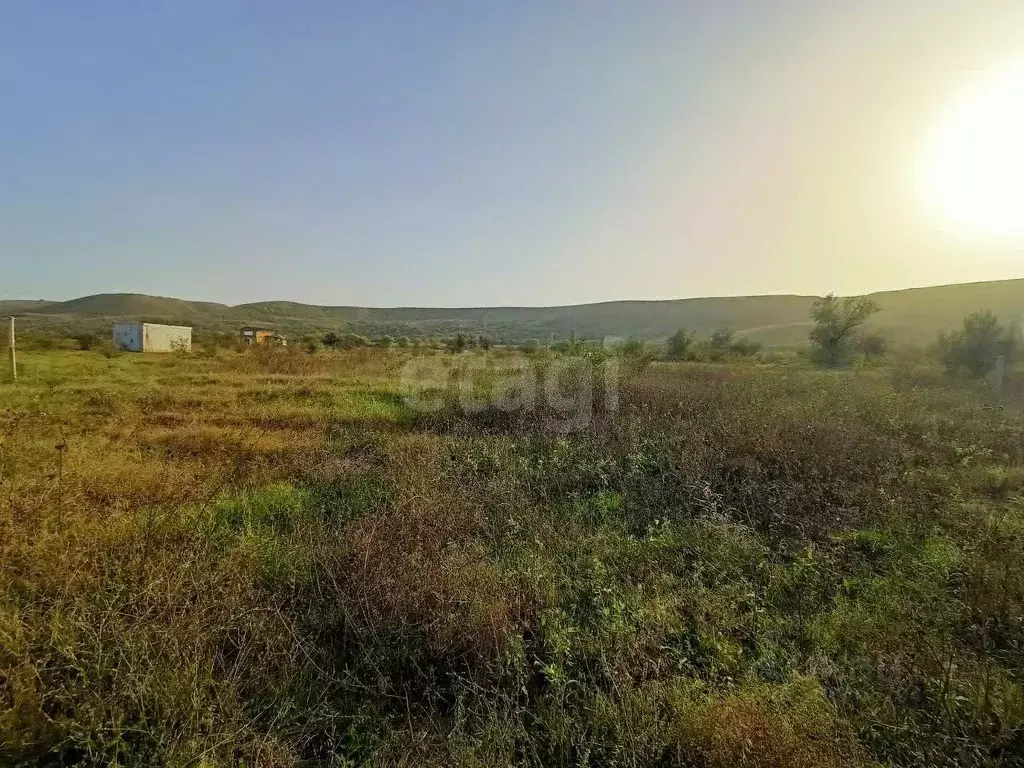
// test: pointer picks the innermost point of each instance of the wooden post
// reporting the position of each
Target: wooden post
(14, 356)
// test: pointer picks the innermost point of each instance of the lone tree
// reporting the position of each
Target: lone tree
(977, 345)
(833, 338)
(678, 345)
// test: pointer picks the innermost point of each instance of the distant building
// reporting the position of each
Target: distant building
(252, 335)
(151, 337)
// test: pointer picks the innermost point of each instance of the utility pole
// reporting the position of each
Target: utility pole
(14, 357)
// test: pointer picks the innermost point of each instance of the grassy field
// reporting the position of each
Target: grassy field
(271, 559)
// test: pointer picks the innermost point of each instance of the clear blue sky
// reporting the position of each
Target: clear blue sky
(482, 152)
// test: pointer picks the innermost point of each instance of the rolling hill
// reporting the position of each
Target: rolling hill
(912, 315)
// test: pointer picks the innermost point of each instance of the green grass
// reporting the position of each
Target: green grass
(268, 559)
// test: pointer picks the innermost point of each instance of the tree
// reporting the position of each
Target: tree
(977, 345)
(833, 338)
(678, 345)
(484, 341)
(331, 339)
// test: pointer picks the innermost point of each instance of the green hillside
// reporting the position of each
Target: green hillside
(913, 315)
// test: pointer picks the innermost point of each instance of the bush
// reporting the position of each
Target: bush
(637, 353)
(977, 345)
(460, 342)
(745, 348)
(333, 340)
(723, 345)
(86, 341)
(872, 345)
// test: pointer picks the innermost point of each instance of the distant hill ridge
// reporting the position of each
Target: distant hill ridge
(914, 314)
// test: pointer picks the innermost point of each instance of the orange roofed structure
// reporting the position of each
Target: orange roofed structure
(253, 335)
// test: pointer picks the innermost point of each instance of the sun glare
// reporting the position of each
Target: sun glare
(973, 165)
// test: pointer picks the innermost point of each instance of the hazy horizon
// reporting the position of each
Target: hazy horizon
(469, 155)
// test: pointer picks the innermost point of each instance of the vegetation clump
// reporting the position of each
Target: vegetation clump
(977, 345)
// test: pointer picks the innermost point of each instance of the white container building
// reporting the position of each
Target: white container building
(151, 337)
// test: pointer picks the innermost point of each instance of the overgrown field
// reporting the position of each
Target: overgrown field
(272, 559)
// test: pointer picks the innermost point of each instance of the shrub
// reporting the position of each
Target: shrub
(637, 353)
(723, 345)
(745, 347)
(86, 341)
(632, 347)
(872, 345)
(334, 340)
(460, 342)
(722, 339)
(977, 345)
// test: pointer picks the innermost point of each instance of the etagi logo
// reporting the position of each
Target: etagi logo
(565, 392)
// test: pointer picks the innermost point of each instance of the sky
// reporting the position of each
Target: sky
(467, 153)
